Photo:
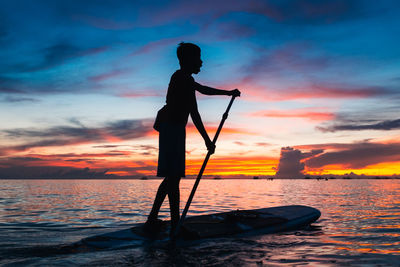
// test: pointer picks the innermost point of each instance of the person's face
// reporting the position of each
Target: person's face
(197, 63)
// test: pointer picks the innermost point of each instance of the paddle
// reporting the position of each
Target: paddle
(224, 117)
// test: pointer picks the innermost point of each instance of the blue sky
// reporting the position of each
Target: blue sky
(312, 73)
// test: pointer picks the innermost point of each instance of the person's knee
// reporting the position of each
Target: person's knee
(173, 184)
(164, 185)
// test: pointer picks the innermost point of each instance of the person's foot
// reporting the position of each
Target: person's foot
(172, 235)
(152, 226)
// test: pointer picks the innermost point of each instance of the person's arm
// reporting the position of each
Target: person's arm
(205, 90)
(200, 127)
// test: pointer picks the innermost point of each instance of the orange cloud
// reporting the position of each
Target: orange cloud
(315, 91)
(191, 129)
(252, 90)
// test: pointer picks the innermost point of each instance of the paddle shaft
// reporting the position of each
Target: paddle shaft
(203, 167)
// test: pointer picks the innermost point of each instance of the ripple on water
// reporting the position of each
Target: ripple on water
(359, 223)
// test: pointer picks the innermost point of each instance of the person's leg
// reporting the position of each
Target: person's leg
(173, 197)
(161, 193)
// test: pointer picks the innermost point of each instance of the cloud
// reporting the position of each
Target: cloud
(25, 76)
(129, 15)
(118, 162)
(312, 114)
(10, 85)
(14, 99)
(263, 144)
(23, 159)
(155, 45)
(109, 146)
(124, 129)
(357, 155)
(74, 135)
(311, 11)
(52, 172)
(357, 126)
(146, 150)
(288, 58)
(239, 143)
(289, 12)
(290, 162)
(221, 30)
(25, 87)
(56, 54)
(314, 91)
(140, 94)
(76, 121)
(293, 71)
(96, 160)
(105, 23)
(190, 128)
(326, 146)
(107, 75)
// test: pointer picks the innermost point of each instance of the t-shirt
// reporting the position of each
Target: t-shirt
(181, 97)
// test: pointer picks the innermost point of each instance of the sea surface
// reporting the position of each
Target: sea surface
(359, 225)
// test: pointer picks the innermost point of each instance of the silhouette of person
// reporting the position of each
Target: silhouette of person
(171, 122)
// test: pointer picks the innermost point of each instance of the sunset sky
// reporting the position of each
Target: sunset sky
(81, 82)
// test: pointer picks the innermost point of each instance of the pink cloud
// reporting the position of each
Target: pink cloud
(192, 9)
(299, 12)
(151, 46)
(297, 57)
(106, 76)
(357, 155)
(304, 11)
(352, 155)
(306, 113)
(270, 76)
(321, 91)
(255, 92)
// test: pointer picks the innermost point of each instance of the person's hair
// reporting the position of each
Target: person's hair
(186, 52)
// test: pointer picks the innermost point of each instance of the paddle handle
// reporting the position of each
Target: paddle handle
(203, 167)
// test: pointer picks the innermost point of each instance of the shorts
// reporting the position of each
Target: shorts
(172, 150)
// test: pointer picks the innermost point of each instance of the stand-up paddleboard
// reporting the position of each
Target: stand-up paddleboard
(225, 224)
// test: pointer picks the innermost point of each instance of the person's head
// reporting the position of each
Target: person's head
(189, 56)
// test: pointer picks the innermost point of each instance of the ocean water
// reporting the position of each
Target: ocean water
(359, 225)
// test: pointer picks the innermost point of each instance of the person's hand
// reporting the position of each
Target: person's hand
(210, 146)
(235, 92)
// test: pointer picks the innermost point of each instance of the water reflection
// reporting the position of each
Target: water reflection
(358, 216)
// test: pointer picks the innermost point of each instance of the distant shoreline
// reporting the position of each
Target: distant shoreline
(212, 178)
